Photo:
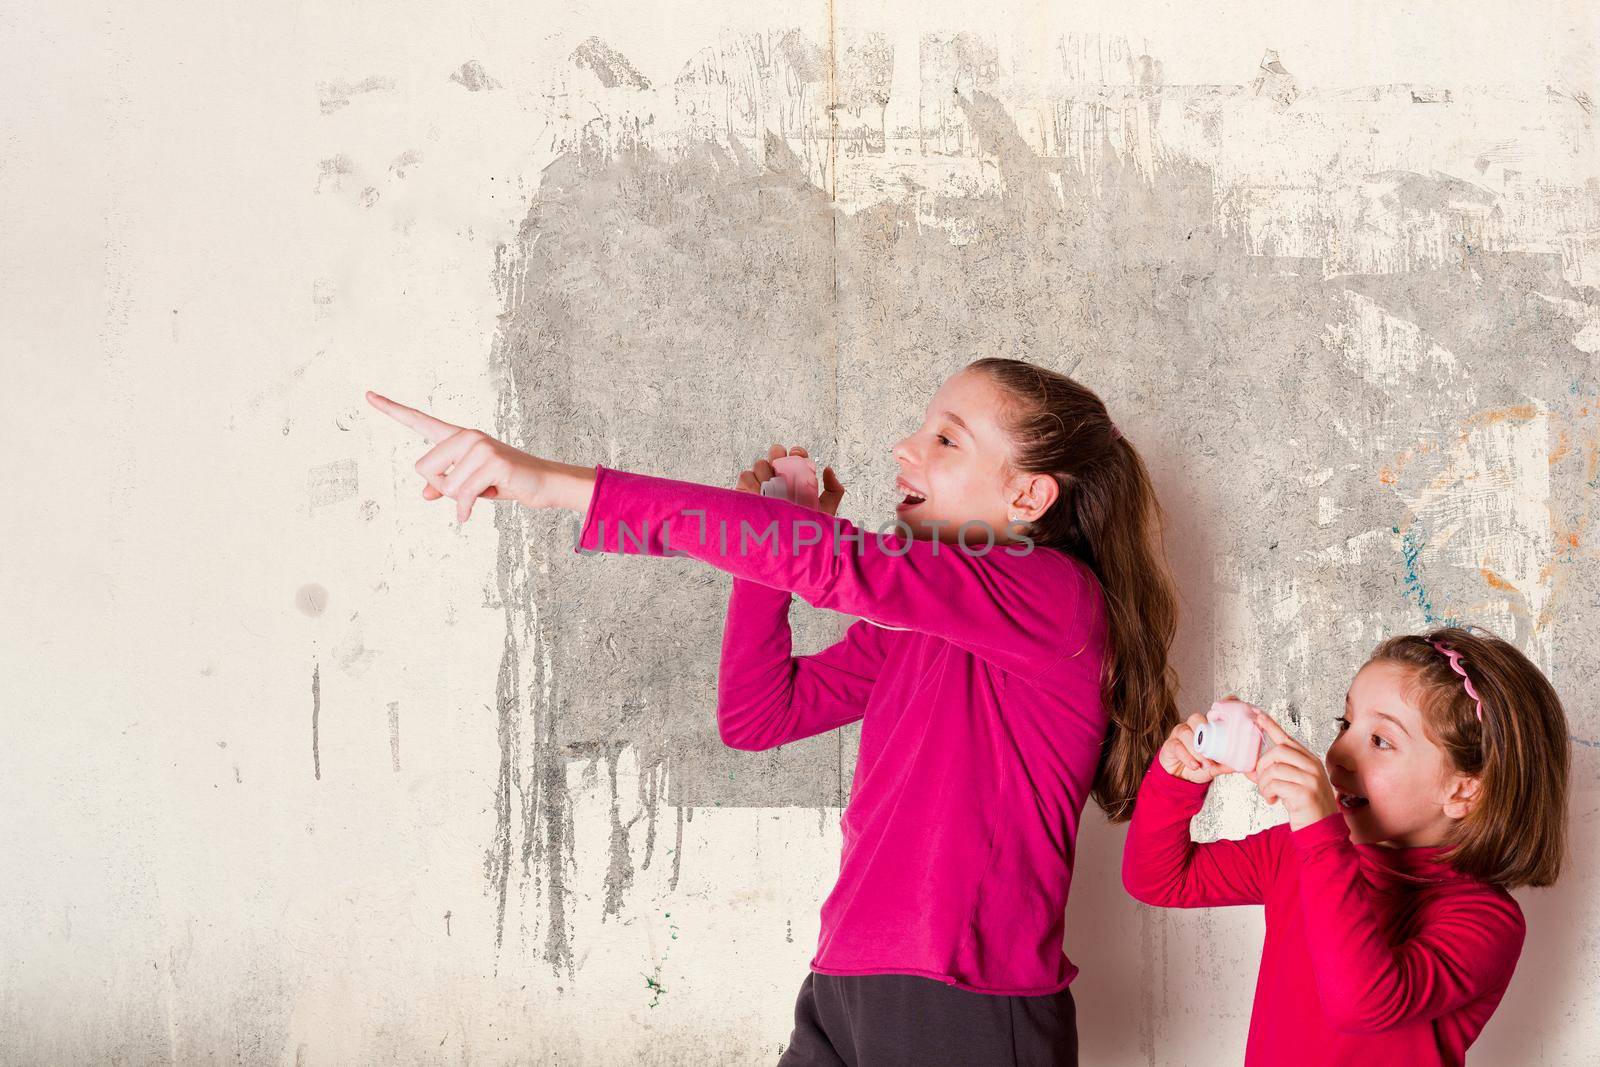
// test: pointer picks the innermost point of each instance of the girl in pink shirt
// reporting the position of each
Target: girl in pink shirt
(1391, 936)
(1009, 660)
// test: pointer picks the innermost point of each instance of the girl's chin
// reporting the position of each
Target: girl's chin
(1356, 819)
(915, 518)
(1362, 829)
(909, 513)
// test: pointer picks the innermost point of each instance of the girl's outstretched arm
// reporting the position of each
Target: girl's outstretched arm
(1465, 944)
(766, 696)
(1019, 610)
(1162, 864)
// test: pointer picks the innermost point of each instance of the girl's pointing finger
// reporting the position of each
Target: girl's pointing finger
(435, 430)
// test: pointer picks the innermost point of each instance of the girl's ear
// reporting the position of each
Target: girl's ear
(1462, 796)
(1033, 492)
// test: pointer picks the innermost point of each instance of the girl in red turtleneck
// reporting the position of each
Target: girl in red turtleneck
(1391, 936)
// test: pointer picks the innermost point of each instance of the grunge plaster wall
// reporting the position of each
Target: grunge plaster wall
(296, 770)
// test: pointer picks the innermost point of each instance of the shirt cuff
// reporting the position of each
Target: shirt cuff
(1179, 789)
(588, 538)
(1326, 831)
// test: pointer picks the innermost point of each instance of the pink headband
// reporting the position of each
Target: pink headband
(1455, 665)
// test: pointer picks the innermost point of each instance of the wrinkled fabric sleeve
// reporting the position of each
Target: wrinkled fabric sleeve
(1019, 610)
(766, 696)
(1465, 946)
(1164, 866)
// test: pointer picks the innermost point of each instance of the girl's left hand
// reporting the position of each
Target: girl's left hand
(761, 470)
(465, 464)
(1288, 772)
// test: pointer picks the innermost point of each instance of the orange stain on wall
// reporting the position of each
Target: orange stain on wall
(1495, 581)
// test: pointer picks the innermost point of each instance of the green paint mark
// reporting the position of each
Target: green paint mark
(653, 982)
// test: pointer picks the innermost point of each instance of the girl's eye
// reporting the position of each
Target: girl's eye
(1344, 723)
(1378, 742)
(946, 440)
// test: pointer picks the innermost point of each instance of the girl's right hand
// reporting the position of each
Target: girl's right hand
(761, 470)
(1181, 759)
(467, 465)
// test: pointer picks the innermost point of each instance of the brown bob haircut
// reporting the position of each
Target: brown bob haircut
(1516, 831)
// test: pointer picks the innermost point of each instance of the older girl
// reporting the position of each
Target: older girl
(1010, 661)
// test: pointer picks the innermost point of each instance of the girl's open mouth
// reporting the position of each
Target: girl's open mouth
(1350, 801)
(912, 497)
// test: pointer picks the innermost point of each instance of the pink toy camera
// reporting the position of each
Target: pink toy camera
(796, 481)
(1231, 737)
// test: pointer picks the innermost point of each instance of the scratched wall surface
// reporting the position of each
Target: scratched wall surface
(299, 771)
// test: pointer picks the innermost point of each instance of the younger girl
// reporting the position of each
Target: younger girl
(1390, 935)
(997, 687)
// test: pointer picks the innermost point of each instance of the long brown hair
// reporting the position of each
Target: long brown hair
(1108, 516)
(1516, 830)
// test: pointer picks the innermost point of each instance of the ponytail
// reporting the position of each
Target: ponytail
(1108, 516)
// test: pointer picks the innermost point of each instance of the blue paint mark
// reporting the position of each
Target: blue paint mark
(1411, 549)
(1583, 741)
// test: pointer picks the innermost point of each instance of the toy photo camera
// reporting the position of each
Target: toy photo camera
(796, 481)
(1231, 737)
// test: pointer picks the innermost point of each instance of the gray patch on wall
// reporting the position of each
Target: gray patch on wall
(676, 314)
(334, 95)
(332, 482)
(608, 65)
(472, 75)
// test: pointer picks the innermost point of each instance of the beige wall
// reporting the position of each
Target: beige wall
(1364, 377)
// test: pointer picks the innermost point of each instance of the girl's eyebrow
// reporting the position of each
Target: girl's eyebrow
(1398, 724)
(953, 417)
(1382, 715)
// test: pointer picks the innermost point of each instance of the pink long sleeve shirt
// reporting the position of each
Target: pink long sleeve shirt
(1373, 955)
(977, 683)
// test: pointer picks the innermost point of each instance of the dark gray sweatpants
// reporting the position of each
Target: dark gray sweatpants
(900, 1020)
